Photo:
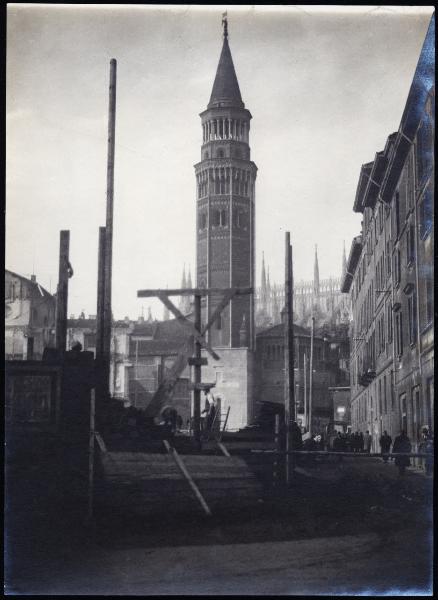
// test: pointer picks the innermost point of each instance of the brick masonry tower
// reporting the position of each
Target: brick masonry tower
(225, 222)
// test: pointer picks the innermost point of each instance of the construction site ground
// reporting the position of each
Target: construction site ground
(342, 528)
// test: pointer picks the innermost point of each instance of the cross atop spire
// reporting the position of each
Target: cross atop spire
(225, 24)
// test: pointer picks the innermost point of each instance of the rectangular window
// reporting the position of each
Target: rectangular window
(403, 413)
(388, 259)
(426, 214)
(397, 269)
(397, 214)
(399, 333)
(429, 300)
(410, 245)
(389, 321)
(412, 316)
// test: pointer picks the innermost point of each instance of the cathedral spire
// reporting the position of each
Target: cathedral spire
(226, 91)
(316, 276)
(263, 290)
(344, 261)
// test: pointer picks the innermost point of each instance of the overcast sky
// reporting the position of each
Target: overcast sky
(325, 87)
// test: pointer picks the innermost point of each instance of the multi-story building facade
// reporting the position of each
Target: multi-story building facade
(29, 317)
(390, 273)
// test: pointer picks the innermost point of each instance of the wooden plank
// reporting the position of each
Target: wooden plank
(223, 449)
(193, 292)
(186, 474)
(100, 442)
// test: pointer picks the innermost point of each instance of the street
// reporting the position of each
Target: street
(352, 533)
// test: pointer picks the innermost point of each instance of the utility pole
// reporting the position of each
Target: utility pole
(197, 376)
(62, 291)
(107, 312)
(289, 391)
(312, 335)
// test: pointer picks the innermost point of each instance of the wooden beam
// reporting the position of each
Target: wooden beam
(188, 325)
(193, 292)
(187, 476)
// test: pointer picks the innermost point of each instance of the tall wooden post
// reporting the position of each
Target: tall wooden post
(62, 291)
(197, 377)
(100, 294)
(107, 312)
(312, 335)
(101, 363)
(305, 390)
(289, 408)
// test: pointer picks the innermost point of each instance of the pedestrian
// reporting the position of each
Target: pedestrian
(385, 445)
(367, 439)
(349, 441)
(337, 445)
(361, 442)
(402, 445)
(179, 422)
(210, 410)
(426, 446)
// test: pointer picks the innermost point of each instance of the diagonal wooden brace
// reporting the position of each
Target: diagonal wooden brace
(187, 324)
(219, 308)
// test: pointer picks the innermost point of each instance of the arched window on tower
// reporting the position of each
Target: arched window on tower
(206, 155)
(216, 220)
(224, 217)
(220, 153)
(203, 220)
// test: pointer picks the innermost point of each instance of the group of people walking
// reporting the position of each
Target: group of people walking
(402, 445)
(352, 442)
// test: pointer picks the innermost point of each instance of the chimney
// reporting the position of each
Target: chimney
(126, 319)
(33, 278)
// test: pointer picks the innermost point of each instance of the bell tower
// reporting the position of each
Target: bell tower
(225, 219)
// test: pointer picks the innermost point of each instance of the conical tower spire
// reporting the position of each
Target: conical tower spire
(226, 91)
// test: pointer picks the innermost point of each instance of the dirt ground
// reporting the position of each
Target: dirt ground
(341, 528)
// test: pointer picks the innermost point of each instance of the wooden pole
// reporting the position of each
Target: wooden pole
(305, 390)
(62, 291)
(107, 318)
(100, 294)
(197, 377)
(277, 447)
(91, 457)
(288, 358)
(312, 334)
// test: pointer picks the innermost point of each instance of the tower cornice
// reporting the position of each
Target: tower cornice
(240, 163)
(226, 111)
